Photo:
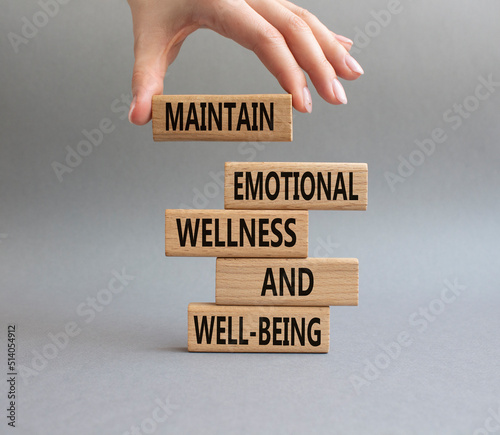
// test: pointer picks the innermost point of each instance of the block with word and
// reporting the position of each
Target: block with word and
(220, 328)
(263, 117)
(307, 186)
(236, 233)
(287, 281)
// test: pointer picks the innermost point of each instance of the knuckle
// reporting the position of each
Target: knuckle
(325, 63)
(304, 14)
(272, 35)
(140, 75)
(145, 78)
(269, 37)
(297, 24)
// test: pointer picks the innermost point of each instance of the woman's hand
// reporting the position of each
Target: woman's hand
(286, 38)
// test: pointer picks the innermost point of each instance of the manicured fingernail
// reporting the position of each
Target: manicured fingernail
(132, 107)
(339, 92)
(341, 38)
(308, 104)
(353, 64)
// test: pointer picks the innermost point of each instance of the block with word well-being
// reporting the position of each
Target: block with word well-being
(306, 186)
(236, 233)
(220, 328)
(287, 281)
(263, 117)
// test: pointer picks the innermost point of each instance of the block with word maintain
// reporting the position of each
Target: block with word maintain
(307, 186)
(287, 281)
(220, 328)
(236, 233)
(264, 117)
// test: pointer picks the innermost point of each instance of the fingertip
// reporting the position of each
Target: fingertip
(353, 65)
(146, 82)
(140, 110)
(301, 100)
(307, 99)
(131, 110)
(339, 91)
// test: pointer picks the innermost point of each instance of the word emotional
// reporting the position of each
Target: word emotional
(287, 281)
(216, 328)
(309, 186)
(222, 117)
(232, 233)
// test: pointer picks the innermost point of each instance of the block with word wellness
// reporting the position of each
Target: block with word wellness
(235, 233)
(219, 328)
(287, 281)
(307, 186)
(266, 117)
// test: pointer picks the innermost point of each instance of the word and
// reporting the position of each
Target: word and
(289, 282)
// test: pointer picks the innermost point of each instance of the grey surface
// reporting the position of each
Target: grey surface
(61, 241)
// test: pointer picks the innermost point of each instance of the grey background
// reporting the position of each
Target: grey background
(61, 241)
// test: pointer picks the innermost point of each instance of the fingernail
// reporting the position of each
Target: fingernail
(132, 107)
(308, 104)
(344, 39)
(339, 91)
(353, 64)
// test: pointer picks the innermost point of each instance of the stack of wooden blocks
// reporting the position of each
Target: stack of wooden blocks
(270, 297)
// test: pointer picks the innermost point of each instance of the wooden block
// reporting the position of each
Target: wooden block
(264, 117)
(219, 328)
(307, 186)
(291, 281)
(235, 233)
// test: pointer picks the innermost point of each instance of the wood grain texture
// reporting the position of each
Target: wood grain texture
(266, 186)
(312, 281)
(218, 328)
(231, 233)
(262, 117)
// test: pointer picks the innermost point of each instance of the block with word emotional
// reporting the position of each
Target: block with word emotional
(307, 186)
(220, 328)
(287, 281)
(235, 233)
(263, 117)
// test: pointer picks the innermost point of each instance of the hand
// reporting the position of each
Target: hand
(286, 38)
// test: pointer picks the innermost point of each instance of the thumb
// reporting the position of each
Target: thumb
(149, 71)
